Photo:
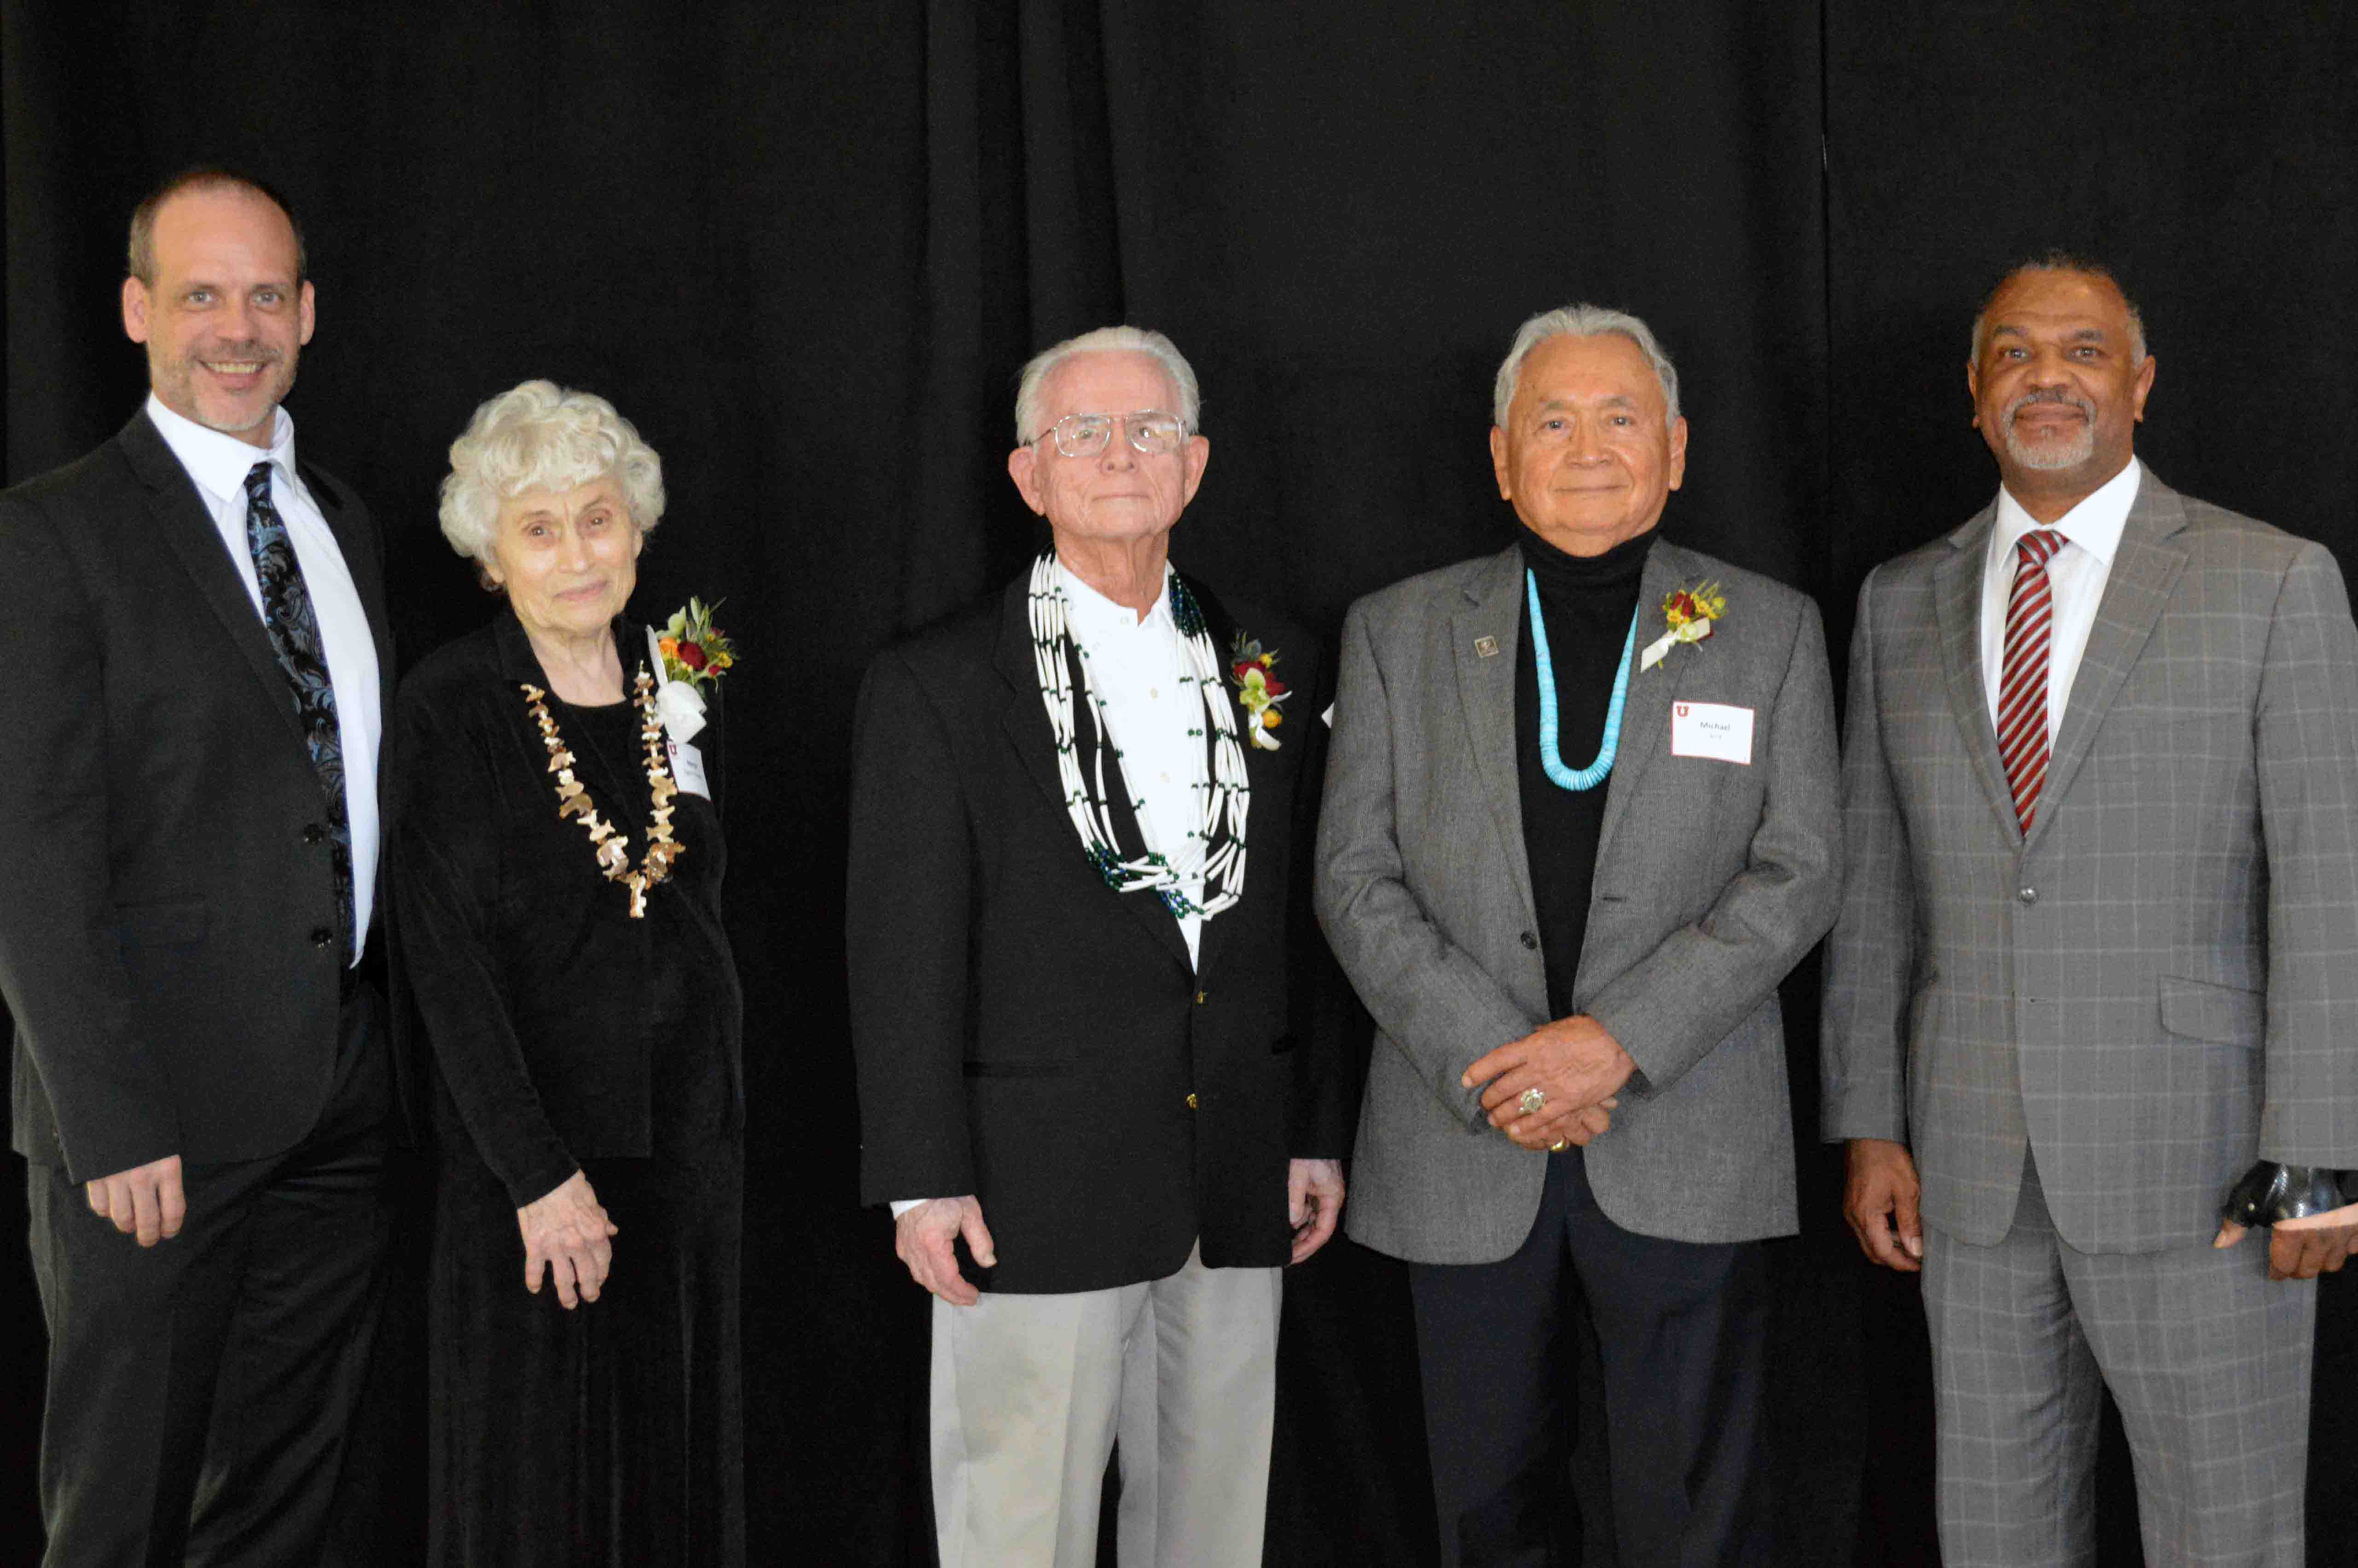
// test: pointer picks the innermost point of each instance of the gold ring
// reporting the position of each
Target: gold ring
(1560, 1145)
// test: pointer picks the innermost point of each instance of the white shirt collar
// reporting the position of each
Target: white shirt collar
(2094, 524)
(1096, 618)
(218, 463)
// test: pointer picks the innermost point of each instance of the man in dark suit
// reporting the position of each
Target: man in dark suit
(1087, 1049)
(195, 624)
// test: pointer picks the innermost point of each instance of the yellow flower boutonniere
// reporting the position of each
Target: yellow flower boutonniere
(694, 650)
(1689, 613)
(1258, 691)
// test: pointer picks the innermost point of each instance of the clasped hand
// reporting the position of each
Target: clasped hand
(1574, 1062)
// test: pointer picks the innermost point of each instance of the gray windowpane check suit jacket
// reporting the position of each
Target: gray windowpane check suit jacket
(1713, 879)
(2159, 985)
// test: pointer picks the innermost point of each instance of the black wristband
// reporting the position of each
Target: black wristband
(2269, 1191)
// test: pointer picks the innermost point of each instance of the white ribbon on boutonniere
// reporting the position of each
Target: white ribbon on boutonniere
(1258, 691)
(1690, 611)
(680, 704)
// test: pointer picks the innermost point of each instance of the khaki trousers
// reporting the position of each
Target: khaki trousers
(1030, 1392)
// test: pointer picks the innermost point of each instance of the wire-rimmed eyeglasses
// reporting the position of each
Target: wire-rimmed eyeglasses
(1149, 430)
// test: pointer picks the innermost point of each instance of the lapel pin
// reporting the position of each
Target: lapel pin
(1486, 647)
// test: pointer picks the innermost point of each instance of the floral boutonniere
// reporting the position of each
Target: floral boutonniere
(1258, 691)
(1690, 612)
(691, 652)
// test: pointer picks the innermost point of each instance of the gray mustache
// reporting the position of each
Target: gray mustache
(2060, 398)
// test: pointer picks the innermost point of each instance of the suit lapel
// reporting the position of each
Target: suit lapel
(1025, 724)
(1957, 605)
(2145, 569)
(1646, 711)
(176, 515)
(1484, 638)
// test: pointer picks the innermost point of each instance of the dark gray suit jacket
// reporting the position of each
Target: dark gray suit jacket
(2160, 984)
(1713, 879)
(169, 875)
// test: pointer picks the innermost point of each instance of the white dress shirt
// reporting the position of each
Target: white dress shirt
(1134, 667)
(2076, 575)
(217, 464)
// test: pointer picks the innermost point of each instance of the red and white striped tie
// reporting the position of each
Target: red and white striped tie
(2022, 686)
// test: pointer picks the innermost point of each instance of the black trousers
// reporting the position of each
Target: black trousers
(1681, 1339)
(199, 1390)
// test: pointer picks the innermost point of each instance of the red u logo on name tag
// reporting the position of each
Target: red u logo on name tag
(1683, 710)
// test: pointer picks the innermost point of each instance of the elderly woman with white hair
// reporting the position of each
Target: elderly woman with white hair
(558, 864)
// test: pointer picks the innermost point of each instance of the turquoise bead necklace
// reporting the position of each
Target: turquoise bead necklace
(1550, 759)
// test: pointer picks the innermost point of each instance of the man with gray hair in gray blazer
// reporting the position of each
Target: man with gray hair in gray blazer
(1579, 822)
(2095, 982)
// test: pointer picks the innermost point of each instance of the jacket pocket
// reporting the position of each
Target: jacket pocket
(2203, 1010)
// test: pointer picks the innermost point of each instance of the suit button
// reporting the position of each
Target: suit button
(1531, 942)
(321, 936)
(313, 832)
(2028, 895)
(1199, 999)
(1191, 1102)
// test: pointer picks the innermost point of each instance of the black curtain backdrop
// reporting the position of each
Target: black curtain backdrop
(806, 248)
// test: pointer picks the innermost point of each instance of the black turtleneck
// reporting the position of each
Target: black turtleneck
(1588, 601)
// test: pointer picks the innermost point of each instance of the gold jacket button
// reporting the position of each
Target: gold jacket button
(1191, 1102)
(1199, 999)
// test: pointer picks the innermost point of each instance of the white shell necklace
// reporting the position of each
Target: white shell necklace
(1214, 846)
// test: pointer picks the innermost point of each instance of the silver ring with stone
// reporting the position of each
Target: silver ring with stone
(1535, 1100)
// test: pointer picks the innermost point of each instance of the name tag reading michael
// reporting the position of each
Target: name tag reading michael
(688, 765)
(1712, 729)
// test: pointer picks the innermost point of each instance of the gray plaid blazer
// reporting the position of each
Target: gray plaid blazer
(1713, 879)
(2161, 984)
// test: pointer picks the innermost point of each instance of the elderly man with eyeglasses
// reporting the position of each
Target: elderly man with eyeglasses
(1093, 1059)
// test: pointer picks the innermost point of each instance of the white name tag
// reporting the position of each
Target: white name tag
(1712, 729)
(688, 764)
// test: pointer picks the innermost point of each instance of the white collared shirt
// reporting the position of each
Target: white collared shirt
(1134, 667)
(217, 464)
(2076, 575)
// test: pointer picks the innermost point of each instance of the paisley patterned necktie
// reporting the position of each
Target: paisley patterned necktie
(303, 659)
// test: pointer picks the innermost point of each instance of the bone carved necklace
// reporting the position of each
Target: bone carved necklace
(613, 847)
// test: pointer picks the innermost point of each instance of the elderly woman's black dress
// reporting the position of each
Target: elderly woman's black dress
(565, 1034)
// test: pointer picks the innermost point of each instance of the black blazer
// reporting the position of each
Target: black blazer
(547, 1010)
(1027, 1034)
(168, 943)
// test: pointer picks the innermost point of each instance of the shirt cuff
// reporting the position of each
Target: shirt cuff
(903, 1206)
